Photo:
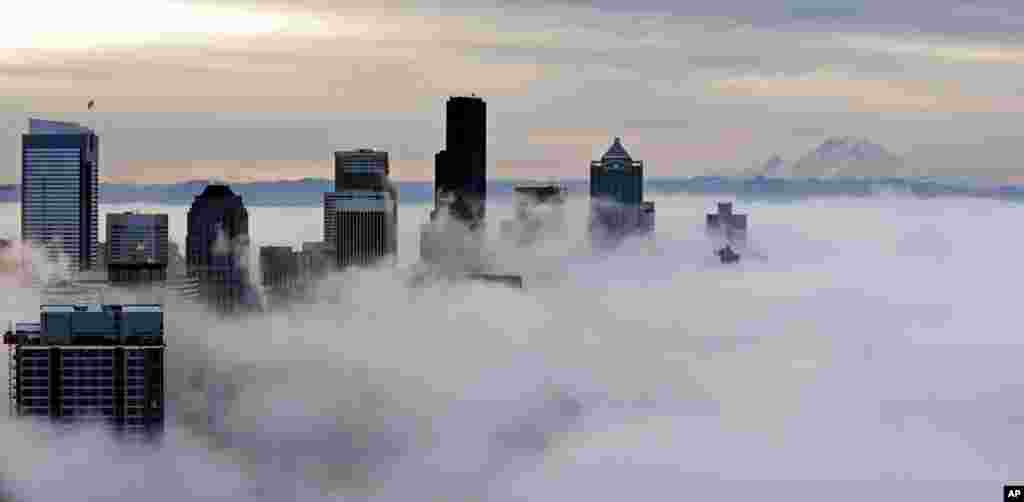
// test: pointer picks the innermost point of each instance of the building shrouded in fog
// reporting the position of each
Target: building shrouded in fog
(616, 194)
(137, 247)
(727, 225)
(218, 232)
(60, 191)
(288, 274)
(539, 209)
(460, 187)
(91, 363)
(460, 170)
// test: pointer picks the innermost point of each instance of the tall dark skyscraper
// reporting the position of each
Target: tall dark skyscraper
(91, 363)
(460, 170)
(60, 190)
(217, 223)
(616, 194)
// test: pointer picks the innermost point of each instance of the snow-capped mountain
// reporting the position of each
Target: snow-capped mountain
(773, 167)
(841, 157)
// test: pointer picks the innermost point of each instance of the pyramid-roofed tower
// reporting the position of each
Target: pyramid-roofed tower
(617, 151)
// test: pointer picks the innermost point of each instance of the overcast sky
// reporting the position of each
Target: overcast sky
(258, 89)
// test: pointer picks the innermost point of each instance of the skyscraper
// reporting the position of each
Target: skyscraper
(616, 194)
(366, 227)
(137, 247)
(460, 170)
(726, 225)
(91, 363)
(360, 175)
(59, 196)
(218, 226)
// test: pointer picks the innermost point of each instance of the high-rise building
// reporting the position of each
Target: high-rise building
(355, 171)
(137, 247)
(616, 194)
(60, 191)
(218, 232)
(367, 231)
(460, 170)
(727, 225)
(362, 169)
(288, 274)
(91, 363)
(539, 209)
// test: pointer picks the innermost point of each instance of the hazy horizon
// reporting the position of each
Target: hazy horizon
(255, 89)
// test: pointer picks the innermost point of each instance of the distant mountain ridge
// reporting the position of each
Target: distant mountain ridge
(309, 192)
(839, 157)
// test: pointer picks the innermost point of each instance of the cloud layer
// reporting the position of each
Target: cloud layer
(862, 347)
(244, 70)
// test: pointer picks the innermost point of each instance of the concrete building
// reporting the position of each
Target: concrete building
(218, 235)
(137, 248)
(60, 191)
(726, 225)
(90, 363)
(539, 210)
(616, 194)
(367, 228)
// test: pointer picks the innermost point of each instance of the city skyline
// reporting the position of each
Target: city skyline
(747, 82)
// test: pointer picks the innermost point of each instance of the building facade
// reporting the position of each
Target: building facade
(356, 171)
(218, 235)
(616, 195)
(60, 191)
(100, 364)
(287, 274)
(137, 247)
(367, 228)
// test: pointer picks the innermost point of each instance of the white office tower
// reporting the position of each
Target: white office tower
(367, 231)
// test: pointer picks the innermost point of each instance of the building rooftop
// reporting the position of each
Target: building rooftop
(617, 151)
(91, 324)
(217, 191)
(37, 126)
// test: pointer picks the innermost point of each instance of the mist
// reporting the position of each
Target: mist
(862, 348)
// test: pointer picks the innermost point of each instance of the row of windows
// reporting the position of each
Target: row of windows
(86, 401)
(87, 382)
(79, 352)
(69, 412)
(101, 371)
(88, 363)
(89, 392)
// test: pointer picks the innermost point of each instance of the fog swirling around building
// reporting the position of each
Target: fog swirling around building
(864, 347)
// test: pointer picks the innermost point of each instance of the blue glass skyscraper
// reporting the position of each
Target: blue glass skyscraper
(60, 190)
